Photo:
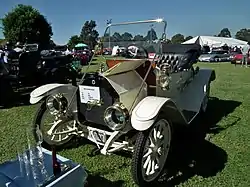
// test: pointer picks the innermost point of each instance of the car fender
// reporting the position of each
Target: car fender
(146, 112)
(43, 91)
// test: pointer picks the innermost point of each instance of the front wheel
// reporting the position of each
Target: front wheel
(151, 151)
(45, 121)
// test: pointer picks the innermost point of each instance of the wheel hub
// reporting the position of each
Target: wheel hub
(156, 149)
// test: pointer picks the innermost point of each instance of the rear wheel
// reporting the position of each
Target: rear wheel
(151, 151)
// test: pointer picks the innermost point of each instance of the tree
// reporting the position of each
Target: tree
(105, 38)
(116, 37)
(188, 38)
(26, 25)
(89, 34)
(151, 35)
(225, 33)
(2, 42)
(127, 36)
(52, 44)
(138, 37)
(73, 41)
(243, 34)
(167, 41)
(177, 39)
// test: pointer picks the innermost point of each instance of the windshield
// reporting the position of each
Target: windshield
(127, 41)
(31, 47)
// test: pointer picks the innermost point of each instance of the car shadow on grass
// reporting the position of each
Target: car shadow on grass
(192, 153)
(97, 180)
(217, 109)
(75, 142)
(16, 99)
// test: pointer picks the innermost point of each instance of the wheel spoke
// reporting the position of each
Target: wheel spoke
(146, 162)
(60, 129)
(152, 142)
(155, 134)
(161, 130)
(149, 166)
(153, 167)
(50, 131)
(159, 151)
(53, 137)
(161, 142)
(59, 137)
(157, 161)
(148, 153)
(158, 134)
(69, 128)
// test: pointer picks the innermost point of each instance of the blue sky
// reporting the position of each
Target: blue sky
(194, 17)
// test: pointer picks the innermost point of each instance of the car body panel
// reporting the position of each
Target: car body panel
(181, 107)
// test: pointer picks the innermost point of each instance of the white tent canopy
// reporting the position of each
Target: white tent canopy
(213, 41)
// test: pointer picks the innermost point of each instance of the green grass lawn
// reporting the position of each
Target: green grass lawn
(220, 160)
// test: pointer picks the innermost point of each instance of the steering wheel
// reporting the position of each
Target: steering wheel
(134, 51)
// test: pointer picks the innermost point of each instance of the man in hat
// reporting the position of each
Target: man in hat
(245, 52)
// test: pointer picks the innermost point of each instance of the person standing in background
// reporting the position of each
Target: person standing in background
(5, 57)
(245, 53)
(1, 55)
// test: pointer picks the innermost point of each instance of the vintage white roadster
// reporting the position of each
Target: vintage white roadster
(132, 104)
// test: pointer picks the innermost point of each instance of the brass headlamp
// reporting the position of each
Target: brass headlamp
(116, 116)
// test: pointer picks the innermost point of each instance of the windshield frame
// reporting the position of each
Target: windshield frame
(162, 38)
(138, 22)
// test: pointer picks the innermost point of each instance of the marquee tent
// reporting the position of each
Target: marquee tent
(213, 41)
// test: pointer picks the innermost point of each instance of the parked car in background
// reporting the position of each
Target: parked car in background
(32, 68)
(107, 51)
(83, 56)
(237, 58)
(215, 56)
(233, 54)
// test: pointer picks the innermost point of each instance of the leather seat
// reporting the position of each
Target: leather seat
(179, 56)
